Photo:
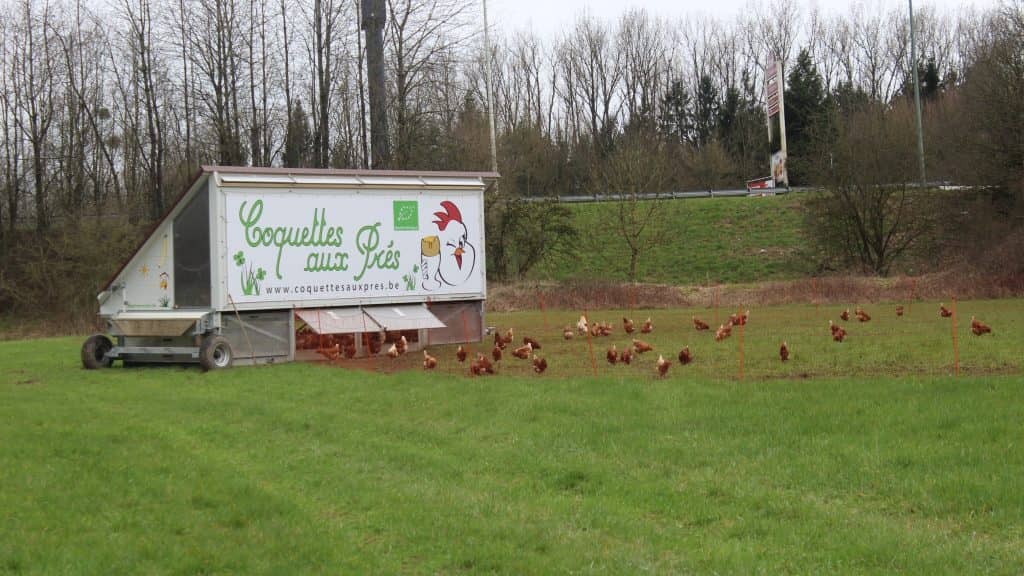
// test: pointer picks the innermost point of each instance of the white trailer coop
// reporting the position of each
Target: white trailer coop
(254, 265)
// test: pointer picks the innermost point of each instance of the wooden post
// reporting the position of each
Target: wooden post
(740, 335)
(956, 347)
(540, 296)
(717, 292)
(814, 292)
(427, 345)
(590, 343)
(913, 294)
(369, 346)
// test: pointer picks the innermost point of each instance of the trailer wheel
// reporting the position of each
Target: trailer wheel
(215, 353)
(94, 352)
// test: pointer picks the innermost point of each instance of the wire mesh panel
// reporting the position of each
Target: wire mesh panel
(260, 334)
(463, 322)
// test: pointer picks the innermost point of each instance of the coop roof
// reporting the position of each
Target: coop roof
(309, 177)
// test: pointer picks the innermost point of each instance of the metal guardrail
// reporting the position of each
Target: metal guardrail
(726, 193)
(730, 193)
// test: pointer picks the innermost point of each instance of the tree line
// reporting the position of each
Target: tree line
(109, 107)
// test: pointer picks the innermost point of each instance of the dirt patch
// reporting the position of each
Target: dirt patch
(583, 294)
(580, 295)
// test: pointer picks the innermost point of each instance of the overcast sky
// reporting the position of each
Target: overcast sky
(549, 17)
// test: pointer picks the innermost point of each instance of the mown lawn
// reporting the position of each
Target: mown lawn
(721, 239)
(303, 468)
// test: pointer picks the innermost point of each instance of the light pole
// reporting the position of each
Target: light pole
(917, 94)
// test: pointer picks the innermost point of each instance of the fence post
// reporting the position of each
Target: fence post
(543, 309)
(590, 343)
(428, 329)
(956, 347)
(913, 294)
(740, 335)
(716, 298)
(814, 292)
(369, 345)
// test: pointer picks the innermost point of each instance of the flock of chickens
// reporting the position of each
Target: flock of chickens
(481, 365)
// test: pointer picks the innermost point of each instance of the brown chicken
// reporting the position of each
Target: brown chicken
(496, 353)
(481, 366)
(739, 319)
(862, 316)
(523, 352)
(539, 364)
(606, 330)
(845, 316)
(978, 327)
(627, 325)
(943, 311)
(393, 351)
(685, 356)
(429, 362)
(567, 333)
(838, 334)
(723, 332)
(508, 337)
(784, 352)
(402, 345)
(461, 354)
(699, 324)
(531, 342)
(331, 353)
(899, 310)
(647, 327)
(374, 345)
(626, 356)
(499, 342)
(640, 346)
(350, 349)
(612, 355)
(662, 366)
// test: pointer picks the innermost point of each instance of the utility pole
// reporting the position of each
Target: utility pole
(917, 93)
(487, 83)
(374, 18)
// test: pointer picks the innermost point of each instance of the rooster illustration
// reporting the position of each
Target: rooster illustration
(457, 257)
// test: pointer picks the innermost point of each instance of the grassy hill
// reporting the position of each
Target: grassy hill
(724, 239)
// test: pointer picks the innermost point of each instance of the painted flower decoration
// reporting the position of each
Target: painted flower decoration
(261, 274)
(239, 258)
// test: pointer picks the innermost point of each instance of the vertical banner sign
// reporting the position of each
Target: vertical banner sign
(776, 108)
(339, 246)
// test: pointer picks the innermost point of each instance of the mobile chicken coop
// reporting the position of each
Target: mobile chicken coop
(254, 265)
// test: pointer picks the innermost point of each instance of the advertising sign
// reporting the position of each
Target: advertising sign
(776, 109)
(333, 246)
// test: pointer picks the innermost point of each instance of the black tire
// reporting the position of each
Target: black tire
(215, 353)
(94, 352)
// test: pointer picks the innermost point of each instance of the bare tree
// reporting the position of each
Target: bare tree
(637, 166)
(35, 79)
(419, 34)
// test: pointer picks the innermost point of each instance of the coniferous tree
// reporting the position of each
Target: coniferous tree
(676, 122)
(298, 144)
(805, 107)
(706, 109)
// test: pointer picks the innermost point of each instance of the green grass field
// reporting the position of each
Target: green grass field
(864, 457)
(739, 240)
